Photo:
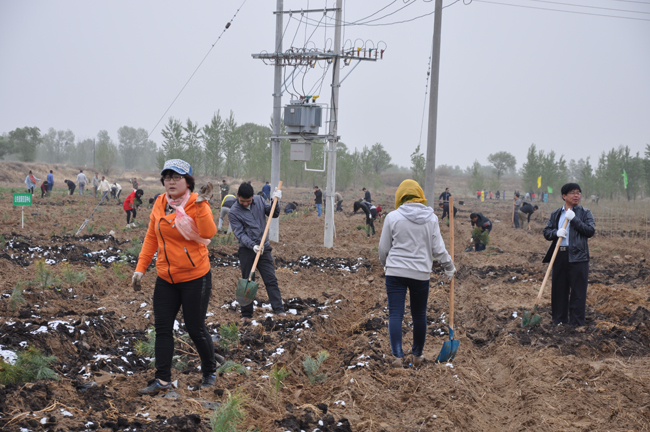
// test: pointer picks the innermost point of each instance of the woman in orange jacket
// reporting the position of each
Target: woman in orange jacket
(180, 227)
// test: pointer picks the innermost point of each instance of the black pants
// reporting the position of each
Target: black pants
(128, 215)
(445, 212)
(569, 290)
(338, 206)
(266, 268)
(194, 296)
(370, 220)
(71, 189)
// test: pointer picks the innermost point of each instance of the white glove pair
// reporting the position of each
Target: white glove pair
(257, 248)
(450, 272)
(136, 281)
(561, 232)
(277, 194)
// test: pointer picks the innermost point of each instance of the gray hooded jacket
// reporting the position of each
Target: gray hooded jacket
(410, 240)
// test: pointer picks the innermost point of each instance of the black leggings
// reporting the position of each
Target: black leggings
(30, 190)
(168, 298)
(128, 215)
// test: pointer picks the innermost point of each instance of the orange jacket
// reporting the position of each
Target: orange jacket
(179, 260)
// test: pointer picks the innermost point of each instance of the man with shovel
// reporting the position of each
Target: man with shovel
(247, 217)
(571, 266)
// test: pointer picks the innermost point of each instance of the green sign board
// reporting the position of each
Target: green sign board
(21, 199)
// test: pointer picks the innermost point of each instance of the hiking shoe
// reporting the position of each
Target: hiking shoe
(208, 381)
(397, 363)
(417, 361)
(154, 388)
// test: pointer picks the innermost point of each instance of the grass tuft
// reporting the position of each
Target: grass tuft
(17, 295)
(230, 366)
(45, 277)
(229, 336)
(230, 414)
(71, 277)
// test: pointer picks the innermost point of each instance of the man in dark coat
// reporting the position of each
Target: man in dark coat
(445, 195)
(71, 186)
(571, 266)
(366, 196)
(483, 223)
(318, 199)
(445, 210)
(528, 209)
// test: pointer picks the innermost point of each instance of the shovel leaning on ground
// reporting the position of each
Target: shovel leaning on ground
(533, 319)
(247, 288)
(450, 347)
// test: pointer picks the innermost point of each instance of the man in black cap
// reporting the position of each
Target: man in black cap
(571, 266)
(528, 209)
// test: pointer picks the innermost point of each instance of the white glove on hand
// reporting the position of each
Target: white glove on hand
(450, 272)
(257, 248)
(135, 281)
(277, 194)
(570, 214)
(561, 232)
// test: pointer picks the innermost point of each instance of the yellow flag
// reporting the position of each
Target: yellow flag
(539, 182)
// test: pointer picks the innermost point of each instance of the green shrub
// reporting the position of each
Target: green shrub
(480, 235)
(17, 295)
(147, 348)
(230, 366)
(277, 375)
(312, 365)
(98, 269)
(135, 248)
(45, 277)
(90, 227)
(119, 269)
(230, 414)
(71, 277)
(229, 336)
(30, 366)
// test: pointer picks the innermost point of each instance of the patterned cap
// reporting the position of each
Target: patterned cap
(178, 165)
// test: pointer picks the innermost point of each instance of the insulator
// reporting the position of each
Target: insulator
(227, 25)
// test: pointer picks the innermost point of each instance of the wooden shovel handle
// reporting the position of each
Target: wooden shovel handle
(266, 231)
(550, 265)
(451, 284)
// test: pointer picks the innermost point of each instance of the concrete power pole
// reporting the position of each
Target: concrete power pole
(274, 231)
(333, 128)
(429, 179)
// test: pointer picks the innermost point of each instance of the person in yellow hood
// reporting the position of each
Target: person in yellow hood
(180, 227)
(409, 242)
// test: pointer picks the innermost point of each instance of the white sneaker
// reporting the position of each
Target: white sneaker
(134, 225)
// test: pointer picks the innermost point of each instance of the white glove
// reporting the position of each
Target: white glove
(450, 272)
(277, 194)
(570, 214)
(561, 232)
(257, 248)
(135, 281)
(205, 194)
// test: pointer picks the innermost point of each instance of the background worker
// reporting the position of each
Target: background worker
(370, 211)
(366, 195)
(517, 204)
(445, 210)
(291, 207)
(318, 199)
(484, 224)
(338, 198)
(130, 205)
(50, 180)
(498, 195)
(116, 190)
(180, 227)
(71, 186)
(30, 181)
(528, 209)
(445, 195)
(247, 218)
(43, 188)
(571, 266)
(82, 181)
(134, 182)
(409, 242)
(266, 189)
(95, 184)
(224, 188)
(104, 187)
(226, 205)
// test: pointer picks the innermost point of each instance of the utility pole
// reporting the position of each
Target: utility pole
(333, 127)
(432, 129)
(93, 153)
(274, 232)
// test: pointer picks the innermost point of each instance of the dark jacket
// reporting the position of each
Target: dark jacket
(367, 196)
(444, 196)
(319, 196)
(482, 222)
(582, 228)
(248, 224)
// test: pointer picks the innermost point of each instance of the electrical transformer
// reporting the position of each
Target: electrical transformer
(300, 151)
(302, 118)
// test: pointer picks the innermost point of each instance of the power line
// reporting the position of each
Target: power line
(633, 1)
(197, 68)
(590, 7)
(561, 10)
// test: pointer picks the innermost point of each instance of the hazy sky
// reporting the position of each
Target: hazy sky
(510, 76)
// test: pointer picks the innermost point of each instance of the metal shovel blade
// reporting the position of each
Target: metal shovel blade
(246, 291)
(449, 349)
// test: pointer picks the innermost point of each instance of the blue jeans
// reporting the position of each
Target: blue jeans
(318, 209)
(396, 291)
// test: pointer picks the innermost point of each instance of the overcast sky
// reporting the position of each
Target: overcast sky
(510, 76)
